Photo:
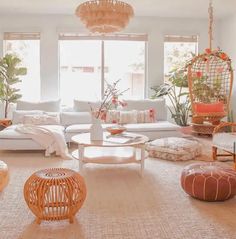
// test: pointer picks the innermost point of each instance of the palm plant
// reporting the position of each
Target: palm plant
(180, 102)
(9, 76)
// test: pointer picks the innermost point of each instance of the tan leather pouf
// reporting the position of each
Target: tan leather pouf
(3, 175)
(209, 181)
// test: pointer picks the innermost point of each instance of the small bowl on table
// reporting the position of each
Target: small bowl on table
(116, 130)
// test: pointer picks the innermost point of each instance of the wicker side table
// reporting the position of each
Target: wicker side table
(55, 194)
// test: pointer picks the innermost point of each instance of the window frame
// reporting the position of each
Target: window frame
(180, 38)
(27, 36)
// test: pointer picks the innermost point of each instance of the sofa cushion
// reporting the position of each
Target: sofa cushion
(11, 133)
(158, 126)
(78, 128)
(83, 128)
(49, 106)
(70, 118)
(142, 127)
(85, 106)
(158, 105)
(224, 141)
(217, 107)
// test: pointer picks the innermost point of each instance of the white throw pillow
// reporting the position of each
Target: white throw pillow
(69, 118)
(43, 119)
(49, 106)
(128, 117)
(158, 105)
(18, 115)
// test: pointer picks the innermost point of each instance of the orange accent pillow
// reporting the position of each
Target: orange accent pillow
(209, 108)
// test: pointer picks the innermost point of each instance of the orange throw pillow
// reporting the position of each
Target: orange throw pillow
(209, 108)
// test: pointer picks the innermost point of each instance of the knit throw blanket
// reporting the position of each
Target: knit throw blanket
(49, 137)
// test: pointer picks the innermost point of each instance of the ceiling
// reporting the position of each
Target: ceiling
(160, 8)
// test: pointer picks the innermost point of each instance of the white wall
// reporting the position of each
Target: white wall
(228, 44)
(51, 25)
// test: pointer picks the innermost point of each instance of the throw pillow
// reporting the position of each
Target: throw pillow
(41, 119)
(128, 117)
(209, 108)
(112, 116)
(146, 116)
(18, 115)
(49, 106)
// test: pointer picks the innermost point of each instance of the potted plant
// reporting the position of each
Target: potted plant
(178, 97)
(9, 76)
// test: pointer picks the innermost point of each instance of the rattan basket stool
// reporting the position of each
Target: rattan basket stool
(55, 194)
(4, 176)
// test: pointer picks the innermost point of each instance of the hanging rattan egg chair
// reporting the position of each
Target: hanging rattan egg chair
(210, 80)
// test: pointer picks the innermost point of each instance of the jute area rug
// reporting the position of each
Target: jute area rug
(119, 205)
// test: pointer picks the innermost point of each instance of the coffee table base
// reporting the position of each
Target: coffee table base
(116, 155)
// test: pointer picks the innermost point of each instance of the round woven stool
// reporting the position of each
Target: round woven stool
(3, 175)
(55, 194)
(209, 181)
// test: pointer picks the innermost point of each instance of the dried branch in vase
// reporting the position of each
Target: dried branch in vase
(110, 100)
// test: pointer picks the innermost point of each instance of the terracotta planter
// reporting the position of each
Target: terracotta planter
(186, 129)
(4, 123)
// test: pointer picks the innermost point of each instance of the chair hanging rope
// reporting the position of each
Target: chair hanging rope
(211, 19)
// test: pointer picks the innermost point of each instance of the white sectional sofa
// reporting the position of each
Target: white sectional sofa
(78, 121)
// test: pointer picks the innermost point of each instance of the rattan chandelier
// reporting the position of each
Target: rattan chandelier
(105, 16)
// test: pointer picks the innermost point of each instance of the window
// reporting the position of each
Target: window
(87, 62)
(177, 51)
(79, 70)
(27, 47)
(125, 60)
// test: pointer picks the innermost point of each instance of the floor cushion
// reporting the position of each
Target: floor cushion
(174, 148)
(209, 181)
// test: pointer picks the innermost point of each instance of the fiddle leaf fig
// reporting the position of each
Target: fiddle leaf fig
(10, 73)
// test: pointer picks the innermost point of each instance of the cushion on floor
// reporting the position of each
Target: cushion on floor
(174, 148)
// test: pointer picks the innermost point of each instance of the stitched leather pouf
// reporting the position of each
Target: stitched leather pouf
(209, 181)
(3, 175)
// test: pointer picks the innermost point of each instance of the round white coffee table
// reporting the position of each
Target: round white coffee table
(119, 149)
